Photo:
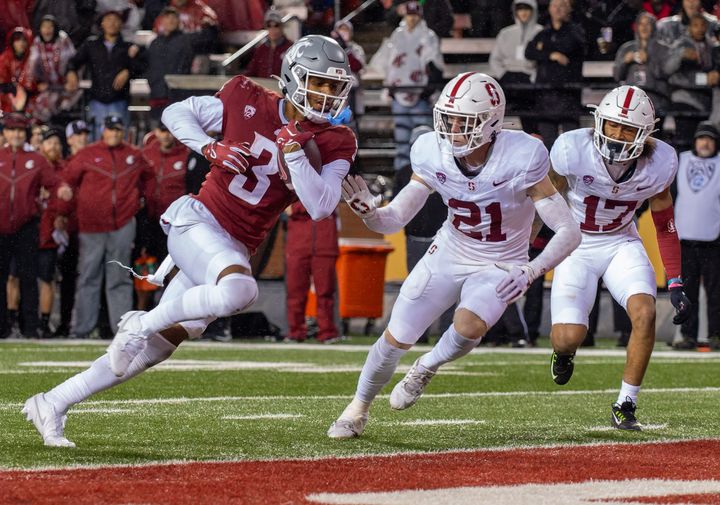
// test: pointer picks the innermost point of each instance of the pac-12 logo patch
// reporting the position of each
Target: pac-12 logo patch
(441, 177)
(588, 179)
(249, 111)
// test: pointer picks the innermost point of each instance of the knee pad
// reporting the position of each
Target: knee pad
(233, 293)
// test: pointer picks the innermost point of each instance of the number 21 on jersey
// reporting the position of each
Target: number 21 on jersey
(474, 219)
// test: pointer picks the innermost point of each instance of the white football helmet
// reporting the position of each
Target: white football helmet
(627, 105)
(469, 112)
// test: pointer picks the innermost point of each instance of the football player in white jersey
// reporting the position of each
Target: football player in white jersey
(493, 181)
(607, 172)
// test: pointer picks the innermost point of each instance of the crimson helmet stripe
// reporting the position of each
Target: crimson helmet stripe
(456, 88)
(628, 99)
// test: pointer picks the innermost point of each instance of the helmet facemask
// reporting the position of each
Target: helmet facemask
(468, 127)
(615, 150)
(332, 105)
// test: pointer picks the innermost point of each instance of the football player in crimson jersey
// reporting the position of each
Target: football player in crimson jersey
(493, 181)
(607, 172)
(212, 235)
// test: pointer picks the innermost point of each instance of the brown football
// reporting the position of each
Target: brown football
(312, 151)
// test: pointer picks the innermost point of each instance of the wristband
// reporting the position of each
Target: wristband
(675, 282)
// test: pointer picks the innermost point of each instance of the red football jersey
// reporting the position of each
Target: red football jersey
(248, 205)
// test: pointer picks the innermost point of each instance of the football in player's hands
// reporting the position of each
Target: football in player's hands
(312, 153)
(228, 155)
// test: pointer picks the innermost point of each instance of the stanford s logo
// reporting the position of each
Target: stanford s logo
(493, 92)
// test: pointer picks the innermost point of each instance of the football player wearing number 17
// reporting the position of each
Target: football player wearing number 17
(607, 172)
(267, 139)
(492, 181)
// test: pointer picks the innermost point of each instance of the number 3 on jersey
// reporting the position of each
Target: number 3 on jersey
(475, 218)
(253, 184)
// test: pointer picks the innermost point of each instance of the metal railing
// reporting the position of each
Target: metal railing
(260, 37)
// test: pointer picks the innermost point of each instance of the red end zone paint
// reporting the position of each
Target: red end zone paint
(289, 482)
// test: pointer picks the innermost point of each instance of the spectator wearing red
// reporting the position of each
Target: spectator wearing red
(168, 159)
(16, 84)
(267, 57)
(49, 55)
(76, 136)
(15, 13)
(110, 177)
(22, 174)
(245, 15)
(311, 251)
(53, 234)
(194, 16)
(660, 8)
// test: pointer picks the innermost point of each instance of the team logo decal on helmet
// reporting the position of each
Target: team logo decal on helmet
(469, 112)
(626, 105)
(317, 56)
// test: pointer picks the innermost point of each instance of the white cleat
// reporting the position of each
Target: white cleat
(411, 387)
(128, 342)
(347, 427)
(49, 423)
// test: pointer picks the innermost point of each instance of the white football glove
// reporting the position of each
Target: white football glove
(515, 283)
(358, 196)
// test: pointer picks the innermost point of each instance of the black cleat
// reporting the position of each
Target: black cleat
(561, 367)
(623, 416)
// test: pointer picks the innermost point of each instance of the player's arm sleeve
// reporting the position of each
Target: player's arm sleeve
(319, 193)
(190, 119)
(663, 215)
(398, 213)
(555, 213)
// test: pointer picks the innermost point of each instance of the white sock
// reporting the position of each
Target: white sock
(381, 362)
(99, 377)
(628, 391)
(450, 347)
(231, 294)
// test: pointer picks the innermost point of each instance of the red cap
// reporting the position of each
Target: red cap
(15, 120)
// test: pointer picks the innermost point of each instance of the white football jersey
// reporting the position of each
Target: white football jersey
(597, 202)
(489, 215)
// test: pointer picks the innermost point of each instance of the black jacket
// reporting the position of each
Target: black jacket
(568, 40)
(103, 66)
(173, 54)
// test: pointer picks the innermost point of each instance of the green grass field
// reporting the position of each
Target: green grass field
(260, 401)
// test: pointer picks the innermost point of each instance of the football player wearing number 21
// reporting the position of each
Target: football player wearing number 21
(493, 181)
(275, 149)
(606, 173)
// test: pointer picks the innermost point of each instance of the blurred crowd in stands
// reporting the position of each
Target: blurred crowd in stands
(60, 127)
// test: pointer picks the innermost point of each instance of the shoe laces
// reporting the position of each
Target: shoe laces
(417, 379)
(563, 360)
(626, 410)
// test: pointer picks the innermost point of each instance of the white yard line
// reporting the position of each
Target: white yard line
(479, 394)
(433, 422)
(543, 351)
(261, 416)
(100, 411)
(645, 427)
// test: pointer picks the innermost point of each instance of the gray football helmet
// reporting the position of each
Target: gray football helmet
(316, 56)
